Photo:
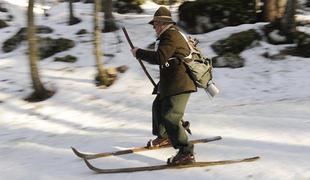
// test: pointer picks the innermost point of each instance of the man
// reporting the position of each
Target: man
(173, 89)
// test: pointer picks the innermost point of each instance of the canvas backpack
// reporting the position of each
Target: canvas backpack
(199, 66)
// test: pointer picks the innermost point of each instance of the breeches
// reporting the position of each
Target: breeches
(167, 120)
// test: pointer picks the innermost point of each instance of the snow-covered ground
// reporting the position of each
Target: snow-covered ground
(263, 108)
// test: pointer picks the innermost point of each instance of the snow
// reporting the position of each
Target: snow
(277, 37)
(262, 109)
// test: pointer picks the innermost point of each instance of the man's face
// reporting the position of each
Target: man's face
(158, 27)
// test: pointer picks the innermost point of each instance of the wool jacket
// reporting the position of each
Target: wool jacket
(174, 77)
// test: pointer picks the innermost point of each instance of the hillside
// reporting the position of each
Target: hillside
(262, 109)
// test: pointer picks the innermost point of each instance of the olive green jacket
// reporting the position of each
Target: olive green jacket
(174, 78)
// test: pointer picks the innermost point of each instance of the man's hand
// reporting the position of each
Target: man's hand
(133, 51)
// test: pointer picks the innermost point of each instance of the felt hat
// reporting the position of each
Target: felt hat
(163, 15)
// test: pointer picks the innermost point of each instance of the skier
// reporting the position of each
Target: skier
(173, 89)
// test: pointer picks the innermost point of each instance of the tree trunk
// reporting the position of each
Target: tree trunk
(109, 22)
(269, 10)
(72, 19)
(70, 10)
(288, 23)
(281, 6)
(102, 77)
(40, 93)
(273, 9)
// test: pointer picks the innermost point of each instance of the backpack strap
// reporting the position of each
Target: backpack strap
(191, 48)
(190, 41)
(196, 51)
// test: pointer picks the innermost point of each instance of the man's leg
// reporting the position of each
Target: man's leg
(159, 129)
(172, 110)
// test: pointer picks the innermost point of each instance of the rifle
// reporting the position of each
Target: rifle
(139, 60)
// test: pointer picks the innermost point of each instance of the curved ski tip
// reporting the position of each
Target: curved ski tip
(76, 152)
(73, 149)
(253, 158)
(90, 166)
(87, 163)
(217, 137)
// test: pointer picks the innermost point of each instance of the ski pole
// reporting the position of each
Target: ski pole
(139, 60)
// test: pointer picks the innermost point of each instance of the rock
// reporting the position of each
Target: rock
(68, 59)
(128, 6)
(302, 47)
(82, 31)
(202, 16)
(12, 43)
(228, 60)
(41, 29)
(275, 35)
(88, 1)
(74, 20)
(276, 57)
(122, 69)
(3, 9)
(3, 24)
(49, 46)
(236, 43)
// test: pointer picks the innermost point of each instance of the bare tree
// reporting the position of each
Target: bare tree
(288, 23)
(273, 9)
(102, 77)
(109, 21)
(40, 92)
(72, 19)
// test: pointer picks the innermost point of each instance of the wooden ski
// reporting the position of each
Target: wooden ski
(133, 150)
(165, 166)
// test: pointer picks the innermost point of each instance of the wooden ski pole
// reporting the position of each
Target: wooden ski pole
(139, 60)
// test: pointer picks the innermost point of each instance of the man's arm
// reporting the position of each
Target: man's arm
(166, 49)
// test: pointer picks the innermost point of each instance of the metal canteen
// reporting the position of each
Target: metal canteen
(212, 89)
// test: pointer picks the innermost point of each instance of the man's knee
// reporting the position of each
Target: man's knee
(173, 118)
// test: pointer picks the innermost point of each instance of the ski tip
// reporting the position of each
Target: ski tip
(90, 166)
(73, 149)
(216, 138)
(255, 157)
(76, 152)
(87, 163)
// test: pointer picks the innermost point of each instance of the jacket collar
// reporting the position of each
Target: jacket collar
(165, 29)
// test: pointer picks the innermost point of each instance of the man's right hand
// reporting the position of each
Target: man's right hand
(133, 51)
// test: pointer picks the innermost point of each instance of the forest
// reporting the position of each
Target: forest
(69, 79)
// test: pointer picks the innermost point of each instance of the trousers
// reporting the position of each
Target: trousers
(167, 116)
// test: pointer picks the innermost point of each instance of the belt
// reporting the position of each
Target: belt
(171, 61)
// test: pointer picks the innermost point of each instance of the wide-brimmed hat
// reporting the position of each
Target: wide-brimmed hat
(163, 15)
